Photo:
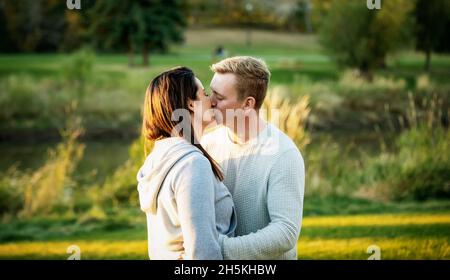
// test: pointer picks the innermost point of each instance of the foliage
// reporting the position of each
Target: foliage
(11, 191)
(50, 188)
(52, 185)
(120, 189)
(419, 167)
(290, 116)
(39, 26)
(358, 37)
(143, 26)
(78, 70)
(432, 27)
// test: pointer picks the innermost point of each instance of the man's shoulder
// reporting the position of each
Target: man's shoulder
(279, 141)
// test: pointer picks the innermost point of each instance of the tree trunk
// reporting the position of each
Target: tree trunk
(366, 72)
(382, 62)
(130, 57)
(145, 55)
(427, 60)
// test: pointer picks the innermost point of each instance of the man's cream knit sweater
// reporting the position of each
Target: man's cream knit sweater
(266, 177)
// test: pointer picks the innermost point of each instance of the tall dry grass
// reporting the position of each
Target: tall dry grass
(52, 184)
(50, 187)
(290, 115)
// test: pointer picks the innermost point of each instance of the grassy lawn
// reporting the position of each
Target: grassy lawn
(288, 55)
(404, 231)
(399, 236)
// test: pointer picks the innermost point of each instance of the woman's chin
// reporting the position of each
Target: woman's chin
(207, 126)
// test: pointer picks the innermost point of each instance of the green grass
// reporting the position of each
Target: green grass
(399, 236)
(342, 228)
(287, 55)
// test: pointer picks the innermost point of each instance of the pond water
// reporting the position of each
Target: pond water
(104, 156)
(101, 157)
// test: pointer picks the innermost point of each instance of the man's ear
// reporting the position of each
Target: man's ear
(249, 103)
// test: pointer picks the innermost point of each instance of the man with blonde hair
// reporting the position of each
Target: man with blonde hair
(263, 168)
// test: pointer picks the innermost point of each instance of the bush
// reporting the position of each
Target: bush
(425, 169)
(354, 82)
(11, 191)
(120, 189)
(77, 70)
(418, 169)
(49, 189)
(21, 97)
(51, 186)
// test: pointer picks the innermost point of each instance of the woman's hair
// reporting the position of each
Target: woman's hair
(167, 92)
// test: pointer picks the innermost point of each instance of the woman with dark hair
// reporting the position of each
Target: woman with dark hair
(180, 185)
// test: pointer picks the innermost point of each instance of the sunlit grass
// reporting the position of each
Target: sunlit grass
(98, 249)
(390, 248)
(377, 220)
(399, 236)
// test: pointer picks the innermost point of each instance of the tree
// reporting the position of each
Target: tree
(137, 25)
(301, 16)
(319, 11)
(39, 26)
(358, 37)
(432, 27)
(6, 43)
(34, 25)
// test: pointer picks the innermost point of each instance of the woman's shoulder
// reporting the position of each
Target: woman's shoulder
(193, 164)
(195, 159)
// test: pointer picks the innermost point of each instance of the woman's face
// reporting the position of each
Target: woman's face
(202, 113)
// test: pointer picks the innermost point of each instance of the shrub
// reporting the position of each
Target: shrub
(77, 70)
(418, 170)
(424, 155)
(121, 187)
(11, 191)
(51, 185)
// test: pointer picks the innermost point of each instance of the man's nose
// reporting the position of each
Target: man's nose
(213, 101)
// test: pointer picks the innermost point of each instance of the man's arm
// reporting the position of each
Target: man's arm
(285, 206)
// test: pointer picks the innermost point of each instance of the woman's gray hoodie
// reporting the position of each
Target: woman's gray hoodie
(186, 206)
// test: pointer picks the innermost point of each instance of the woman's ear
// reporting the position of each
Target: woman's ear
(191, 105)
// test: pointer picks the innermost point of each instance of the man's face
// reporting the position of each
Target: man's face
(224, 95)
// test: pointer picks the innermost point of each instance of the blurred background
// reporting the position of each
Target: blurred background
(363, 92)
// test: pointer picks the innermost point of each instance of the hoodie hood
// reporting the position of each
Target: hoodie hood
(165, 154)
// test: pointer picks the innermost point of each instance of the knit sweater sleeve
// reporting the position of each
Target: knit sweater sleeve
(285, 193)
(194, 194)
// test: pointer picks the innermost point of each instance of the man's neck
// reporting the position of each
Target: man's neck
(250, 131)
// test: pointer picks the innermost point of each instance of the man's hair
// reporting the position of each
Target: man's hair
(252, 76)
